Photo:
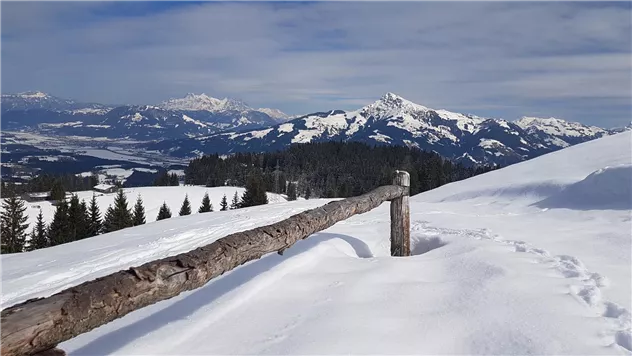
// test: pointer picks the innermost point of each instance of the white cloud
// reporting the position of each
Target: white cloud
(320, 56)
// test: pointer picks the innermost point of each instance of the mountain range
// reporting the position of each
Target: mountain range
(394, 120)
(191, 116)
(197, 124)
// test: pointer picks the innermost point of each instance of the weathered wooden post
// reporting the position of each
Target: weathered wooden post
(400, 217)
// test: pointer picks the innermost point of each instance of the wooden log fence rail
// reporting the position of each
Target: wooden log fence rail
(37, 326)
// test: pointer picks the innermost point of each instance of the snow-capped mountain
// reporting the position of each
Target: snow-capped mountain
(34, 100)
(275, 114)
(193, 115)
(566, 133)
(199, 123)
(203, 102)
(397, 121)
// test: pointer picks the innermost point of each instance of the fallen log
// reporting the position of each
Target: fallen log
(41, 324)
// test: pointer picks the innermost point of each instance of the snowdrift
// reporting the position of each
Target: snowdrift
(492, 273)
(607, 188)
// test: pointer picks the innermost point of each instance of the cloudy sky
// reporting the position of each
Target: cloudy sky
(501, 59)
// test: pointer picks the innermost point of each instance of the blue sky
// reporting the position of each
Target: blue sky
(492, 59)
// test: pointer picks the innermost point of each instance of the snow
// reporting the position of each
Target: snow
(380, 137)
(463, 122)
(274, 113)
(606, 188)
(258, 134)
(153, 198)
(558, 127)
(496, 269)
(358, 121)
(490, 143)
(286, 127)
(63, 124)
(29, 95)
(203, 102)
(136, 117)
(103, 186)
(98, 111)
(196, 122)
(178, 172)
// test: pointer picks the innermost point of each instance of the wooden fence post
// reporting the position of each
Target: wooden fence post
(400, 217)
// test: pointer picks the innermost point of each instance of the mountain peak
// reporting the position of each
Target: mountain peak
(558, 127)
(276, 114)
(34, 95)
(203, 102)
(37, 95)
(391, 104)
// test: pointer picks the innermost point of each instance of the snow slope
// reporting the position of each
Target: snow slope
(496, 269)
(153, 197)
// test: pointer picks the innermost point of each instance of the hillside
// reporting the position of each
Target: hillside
(153, 197)
(529, 259)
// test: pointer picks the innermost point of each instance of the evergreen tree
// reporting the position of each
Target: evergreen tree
(255, 193)
(234, 204)
(39, 238)
(13, 225)
(308, 192)
(78, 221)
(94, 218)
(291, 191)
(185, 209)
(206, 204)
(164, 212)
(138, 218)
(223, 204)
(173, 180)
(57, 191)
(58, 230)
(162, 179)
(119, 216)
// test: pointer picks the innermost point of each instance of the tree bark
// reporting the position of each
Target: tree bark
(400, 217)
(40, 324)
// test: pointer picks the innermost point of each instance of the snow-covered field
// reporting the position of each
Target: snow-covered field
(530, 259)
(153, 197)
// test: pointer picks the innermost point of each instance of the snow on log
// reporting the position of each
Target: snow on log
(38, 325)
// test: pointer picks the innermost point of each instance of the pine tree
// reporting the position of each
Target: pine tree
(291, 191)
(13, 225)
(94, 218)
(308, 192)
(173, 180)
(57, 191)
(185, 209)
(78, 222)
(234, 204)
(223, 204)
(138, 218)
(255, 193)
(58, 230)
(39, 238)
(206, 204)
(162, 179)
(119, 216)
(164, 212)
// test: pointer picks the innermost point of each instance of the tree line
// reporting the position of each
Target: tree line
(49, 182)
(329, 169)
(76, 220)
